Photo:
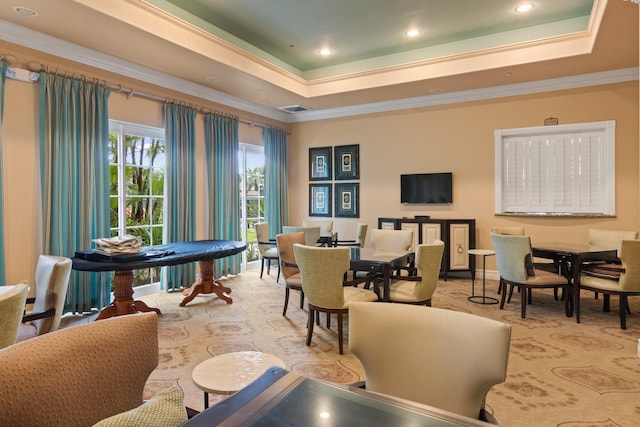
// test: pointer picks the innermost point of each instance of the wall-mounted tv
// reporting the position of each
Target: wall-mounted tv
(426, 188)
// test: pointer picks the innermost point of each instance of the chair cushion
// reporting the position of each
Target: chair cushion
(402, 291)
(165, 409)
(352, 294)
(294, 281)
(270, 253)
(546, 278)
(26, 331)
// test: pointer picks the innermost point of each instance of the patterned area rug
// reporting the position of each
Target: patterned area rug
(560, 373)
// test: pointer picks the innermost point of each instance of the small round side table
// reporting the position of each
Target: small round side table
(230, 372)
(481, 299)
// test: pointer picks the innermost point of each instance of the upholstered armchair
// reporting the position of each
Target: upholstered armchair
(323, 271)
(419, 289)
(80, 375)
(360, 238)
(311, 234)
(288, 266)
(626, 283)
(52, 280)
(12, 303)
(326, 226)
(393, 241)
(267, 248)
(449, 359)
(515, 264)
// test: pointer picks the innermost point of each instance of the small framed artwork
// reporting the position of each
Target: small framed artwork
(347, 200)
(320, 164)
(347, 162)
(320, 200)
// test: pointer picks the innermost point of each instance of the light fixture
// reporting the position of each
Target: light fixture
(524, 7)
(412, 33)
(325, 51)
(24, 11)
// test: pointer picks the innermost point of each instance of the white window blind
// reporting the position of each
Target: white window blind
(563, 169)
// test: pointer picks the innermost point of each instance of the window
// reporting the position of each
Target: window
(251, 167)
(556, 170)
(136, 167)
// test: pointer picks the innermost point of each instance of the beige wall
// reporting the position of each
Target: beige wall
(456, 138)
(459, 138)
(20, 151)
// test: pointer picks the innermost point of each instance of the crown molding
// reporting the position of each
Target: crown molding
(51, 45)
(562, 83)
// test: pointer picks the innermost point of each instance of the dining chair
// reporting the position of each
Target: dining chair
(326, 227)
(448, 359)
(544, 264)
(51, 280)
(267, 248)
(515, 264)
(323, 271)
(12, 303)
(288, 266)
(601, 239)
(419, 289)
(624, 284)
(311, 234)
(393, 241)
(360, 238)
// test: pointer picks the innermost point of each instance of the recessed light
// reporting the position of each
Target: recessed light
(412, 33)
(325, 51)
(24, 11)
(524, 7)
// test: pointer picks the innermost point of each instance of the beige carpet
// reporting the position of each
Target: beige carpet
(560, 373)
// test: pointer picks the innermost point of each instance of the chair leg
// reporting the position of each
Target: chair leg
(511, 292)
(606, 303)
(286, 301)
(340, 336)
(328, 320)
(529, 295)
(500, 286)
(623, 311)
(504, 295)
(523, 299)
(576, 303)
(302, 299)
(568, 301)
(262, 268)
(312, 314)
(268, 266)
(278, 278)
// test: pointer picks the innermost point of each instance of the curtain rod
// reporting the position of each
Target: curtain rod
(34, 66)
(131, 92)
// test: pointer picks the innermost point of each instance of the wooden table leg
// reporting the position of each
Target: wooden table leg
(123, 302)
(207, 284)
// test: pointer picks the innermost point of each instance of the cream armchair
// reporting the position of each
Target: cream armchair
(311, 234)
(449, 359)
(52, 280)
(12, 303)
(628, 283)
(267, 248)
(515, 264)
(419, 289)
(326, 227)
(323, 271)
(288, 266)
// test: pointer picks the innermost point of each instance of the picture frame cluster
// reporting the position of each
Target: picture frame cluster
(341, 163)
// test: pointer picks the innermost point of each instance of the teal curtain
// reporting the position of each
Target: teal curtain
(223, 183)
(180, 188)
(74, 178)
(276, 199)
(3, 274)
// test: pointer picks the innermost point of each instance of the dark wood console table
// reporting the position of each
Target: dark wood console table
(203, 251)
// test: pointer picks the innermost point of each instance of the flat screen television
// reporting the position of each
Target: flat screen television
(426, 188)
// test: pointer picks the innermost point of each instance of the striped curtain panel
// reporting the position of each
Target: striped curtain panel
(223, 181)
(276, 199)
(74, 168)
(3, 274)
(180, 189)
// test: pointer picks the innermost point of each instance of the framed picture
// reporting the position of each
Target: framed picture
(320, 200)
(347, 200)
(320, 164)
(347, 162)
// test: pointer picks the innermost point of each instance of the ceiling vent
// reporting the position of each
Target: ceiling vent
(294, 108)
